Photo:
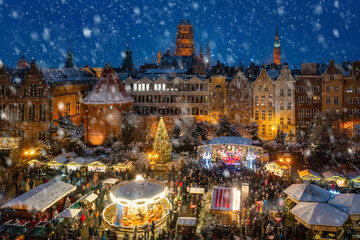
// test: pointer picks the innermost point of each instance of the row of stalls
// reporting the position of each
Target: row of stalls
(323, 213)
(331, 176)
(279, 168)
(76, 164)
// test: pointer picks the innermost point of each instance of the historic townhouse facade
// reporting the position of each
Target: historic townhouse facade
(285, 102)
(308, 95)
(240, 99)
(263, 105)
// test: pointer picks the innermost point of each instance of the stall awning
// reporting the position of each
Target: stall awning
(110, 180)
(69, 213)
(186, 221)
(354, 176)
(197, 190)
(278, 165)
(91, 197)
(332, 175)
(225, 199)
(309, 174)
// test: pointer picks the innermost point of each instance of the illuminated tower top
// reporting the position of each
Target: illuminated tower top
(184, 39)
(277, 48)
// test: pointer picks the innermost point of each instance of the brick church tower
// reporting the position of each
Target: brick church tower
(184, 39)
(104, 106)
(277, 48)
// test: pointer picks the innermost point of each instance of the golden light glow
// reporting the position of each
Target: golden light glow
(281, 160)
(138, 202)
(156, 155)
(26, 152)
(150, 155)
(288, 160)
(32, 153)
(273, 128)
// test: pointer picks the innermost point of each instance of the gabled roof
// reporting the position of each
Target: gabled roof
(108, 90)
(307, 193)
(347, 202)
(331, 69)
(332, 173)
(354, 175)
(58, 75)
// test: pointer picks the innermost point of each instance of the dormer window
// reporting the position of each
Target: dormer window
(332, 77)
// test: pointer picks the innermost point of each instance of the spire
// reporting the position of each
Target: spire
(208, 47)
(277, 32)
(277, 51)
(127, 45)
(69, 62)
(128, 64)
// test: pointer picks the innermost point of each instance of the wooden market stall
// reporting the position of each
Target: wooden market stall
(38, 204)
(309, 175)
(355, 179)
(98, 165)
(34, 163)
(57, 162)
(225, 204)
(76, 164)
(333, 176)
(121, 166)
(279, 168)
(110, 181)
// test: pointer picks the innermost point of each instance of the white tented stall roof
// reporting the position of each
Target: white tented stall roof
(186, 221)
(110, 180)
(42, 197)
(91, 197)
(320, 214)
(197, 190)
(307, 193)
(347, 202)
(69, 213)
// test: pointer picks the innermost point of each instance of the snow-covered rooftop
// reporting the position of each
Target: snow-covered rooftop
(230, 140)
(67, 74)
(108, 90)
(42, 197)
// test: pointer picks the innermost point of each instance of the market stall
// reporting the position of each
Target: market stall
(110, 181)
(122, 166)
(333, 176)
(57, 162)
(278, 168)
(69, 213)
(225, 204)
(197, 190)
(34, 163)
(76, 164)
(307, 193)
(98, 165)
(309, 175)
(39, 203)
(355, 179)
(186, 225)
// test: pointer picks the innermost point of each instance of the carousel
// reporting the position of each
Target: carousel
(137, 203)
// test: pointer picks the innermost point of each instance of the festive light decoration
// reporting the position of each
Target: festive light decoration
(207, 157)
(250, 157)
(162, 145)
(334, 192)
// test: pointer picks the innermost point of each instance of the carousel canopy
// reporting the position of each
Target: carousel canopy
(42, 197)
(333, 174)
(138, 192)
(347, 202)
(309, 174)
(69, 213)
(319, 214)
(186, 221)
(307, 193)
(231, 140)
(110, 180)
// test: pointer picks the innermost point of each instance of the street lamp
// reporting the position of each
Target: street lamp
(29, 153)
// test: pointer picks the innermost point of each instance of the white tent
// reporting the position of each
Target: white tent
(110, 180)
(197, 190)
(90, 198)
(307, 193)
(319, 216)
(42, 197)
(186, 221)
(347, 202)
(69, 213)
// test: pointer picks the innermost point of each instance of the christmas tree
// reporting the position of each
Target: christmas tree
(162, 145)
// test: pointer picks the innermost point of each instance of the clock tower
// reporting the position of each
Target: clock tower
(277, 48)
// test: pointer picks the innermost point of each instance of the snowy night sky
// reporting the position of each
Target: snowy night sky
(238, 30)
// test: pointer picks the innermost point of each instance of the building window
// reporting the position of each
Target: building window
(135, 87)
(256, 114)
(2, 90)
(328, 100)
(33, 90)
(301, 113)
(12, 110)
(31, 112)
(288, 122)
(42, 135)
(336, 100)
(67, 109)
(270, 115)
(349, 112)
(316, 99)
(301, 89)
(21, 134)
(281, 92)
(246, 94)
(316, 113)
(21, 112)
(263, 115)
(262, 100)
(281, 120)
(281, 106)
(270, 100)
(26, 92)
(349, 100)
(289, 92)
(301, 99)
(327, 89)
(357, 90)
(308, 89)
(41, 92)
(42, 110)
(260, 88)
(256, 100)
(357, 112)
(308, 113)
(263, 129)
(336, 89)
(77, 107)
(270, 130)
(337, 112)
(332, 77)
(316, 89)
(308, 99)
(289, 105)
(349, 90)
(328, 112)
